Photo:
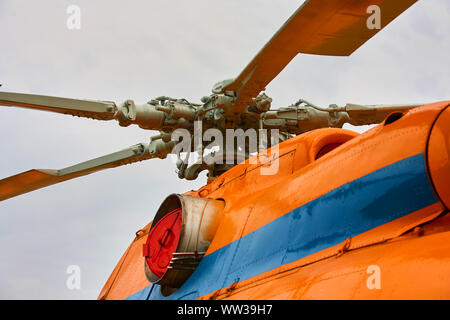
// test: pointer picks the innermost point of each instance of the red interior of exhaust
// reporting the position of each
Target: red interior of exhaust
(162, 242)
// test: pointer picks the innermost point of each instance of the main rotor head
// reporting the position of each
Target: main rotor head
(334, 27)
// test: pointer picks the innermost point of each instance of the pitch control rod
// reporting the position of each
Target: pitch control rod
(305, 116)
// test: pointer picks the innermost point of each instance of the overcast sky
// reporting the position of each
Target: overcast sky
(140, 50)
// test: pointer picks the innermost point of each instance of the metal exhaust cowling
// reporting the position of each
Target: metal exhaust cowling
(180, 234)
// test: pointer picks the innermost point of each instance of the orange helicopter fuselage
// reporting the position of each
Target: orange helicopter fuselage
(366, 220)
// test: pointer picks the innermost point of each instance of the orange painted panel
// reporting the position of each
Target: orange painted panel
(410, 266)
(128, 277)
(253, 201)
(439, 156)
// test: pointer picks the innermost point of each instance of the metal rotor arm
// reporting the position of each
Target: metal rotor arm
(305, 116)
(161, 113)
(39, 178)
(372, 114)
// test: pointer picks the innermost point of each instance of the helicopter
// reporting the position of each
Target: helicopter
(234, 220)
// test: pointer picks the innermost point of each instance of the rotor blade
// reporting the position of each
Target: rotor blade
(40, 178)
(373, 114)
(332, 27)
(99, 110)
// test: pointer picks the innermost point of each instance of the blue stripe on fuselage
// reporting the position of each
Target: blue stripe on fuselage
(363, 204)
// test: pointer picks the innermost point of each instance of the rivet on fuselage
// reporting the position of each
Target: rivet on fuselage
(418, 232)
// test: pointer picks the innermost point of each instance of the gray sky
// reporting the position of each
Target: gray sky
(140, 50)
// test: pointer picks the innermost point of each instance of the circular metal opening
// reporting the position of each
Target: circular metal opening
(393, 117)
(179, 236)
